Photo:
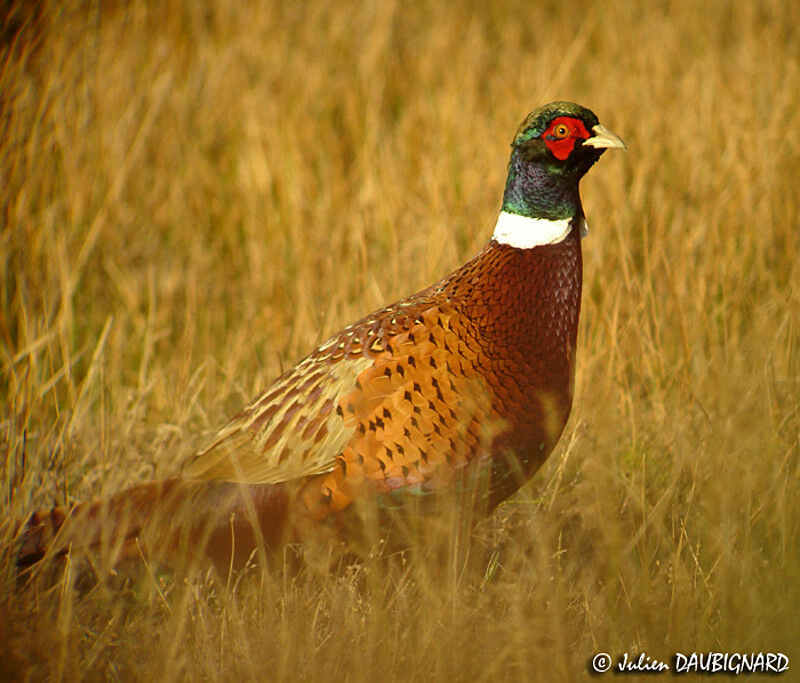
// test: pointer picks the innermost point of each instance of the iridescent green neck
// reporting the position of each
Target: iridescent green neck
(535, 190)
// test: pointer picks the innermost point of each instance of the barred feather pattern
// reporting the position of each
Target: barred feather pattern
(476, 367)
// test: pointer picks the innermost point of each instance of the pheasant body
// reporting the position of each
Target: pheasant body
(470, 379)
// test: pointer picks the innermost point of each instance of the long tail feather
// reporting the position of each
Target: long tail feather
(169, 520)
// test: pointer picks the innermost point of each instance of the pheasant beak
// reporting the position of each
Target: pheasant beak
(605, 139)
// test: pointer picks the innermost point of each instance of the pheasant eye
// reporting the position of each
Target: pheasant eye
(561, 131)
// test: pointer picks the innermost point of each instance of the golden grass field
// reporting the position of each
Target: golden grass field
(195, 194)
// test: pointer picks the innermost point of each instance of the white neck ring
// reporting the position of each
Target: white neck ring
(526, 233)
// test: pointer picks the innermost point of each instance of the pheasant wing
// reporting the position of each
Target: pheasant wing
(396, 397)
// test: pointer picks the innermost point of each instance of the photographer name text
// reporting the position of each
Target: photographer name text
(693, 662)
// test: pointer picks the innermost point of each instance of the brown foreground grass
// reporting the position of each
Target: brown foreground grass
(194, 196)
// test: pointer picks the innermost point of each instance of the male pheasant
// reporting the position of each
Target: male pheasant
(467, 381)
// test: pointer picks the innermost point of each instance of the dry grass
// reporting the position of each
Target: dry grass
(193, 196)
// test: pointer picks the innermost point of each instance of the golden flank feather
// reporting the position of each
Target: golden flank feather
(339, 407)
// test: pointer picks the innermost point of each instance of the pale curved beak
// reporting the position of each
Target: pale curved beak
(605, 139)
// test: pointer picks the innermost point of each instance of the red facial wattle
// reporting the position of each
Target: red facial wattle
(560, 144)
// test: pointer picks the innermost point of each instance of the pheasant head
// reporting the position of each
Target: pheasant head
(552, 150)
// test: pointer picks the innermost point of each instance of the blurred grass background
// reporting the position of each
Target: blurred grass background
(195, 194)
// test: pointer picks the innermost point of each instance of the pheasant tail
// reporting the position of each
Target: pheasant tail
(165, 521)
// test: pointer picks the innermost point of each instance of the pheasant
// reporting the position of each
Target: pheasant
(465, 385)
